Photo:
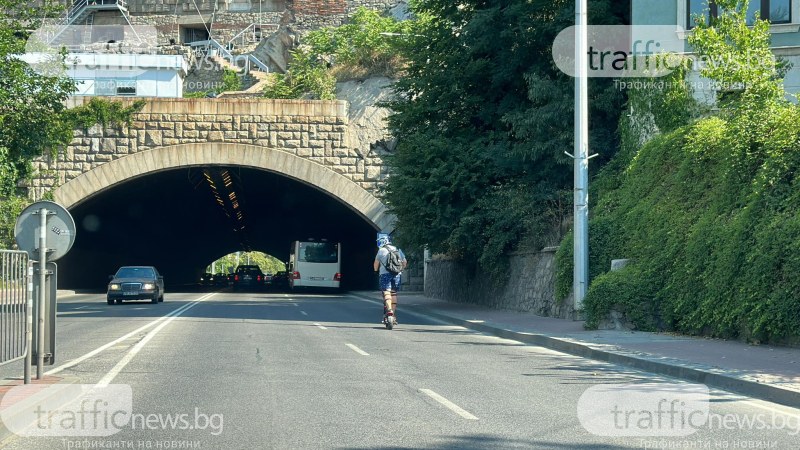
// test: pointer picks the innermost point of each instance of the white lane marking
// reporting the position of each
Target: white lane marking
(773, 407)
(106, 380)
(294, 304)
(320, 326)
(94, 352)
(448, 404)
(357, 350)
(81, 307)
(303, 313)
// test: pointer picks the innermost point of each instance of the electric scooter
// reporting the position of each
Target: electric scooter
(389, 320)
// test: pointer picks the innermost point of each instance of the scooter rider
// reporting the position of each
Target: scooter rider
(389, 283)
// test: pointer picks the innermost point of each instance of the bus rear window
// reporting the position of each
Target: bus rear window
(318, 252)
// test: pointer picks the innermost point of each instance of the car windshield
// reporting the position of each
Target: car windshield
(135, 272)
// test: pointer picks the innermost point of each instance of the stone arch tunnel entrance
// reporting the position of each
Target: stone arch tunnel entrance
(181, 219)
(140, 194)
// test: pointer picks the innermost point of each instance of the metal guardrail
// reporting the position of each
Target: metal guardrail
(14, 294)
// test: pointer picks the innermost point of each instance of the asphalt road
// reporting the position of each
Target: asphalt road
(285, 371)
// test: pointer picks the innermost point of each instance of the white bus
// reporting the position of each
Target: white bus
(315, 264)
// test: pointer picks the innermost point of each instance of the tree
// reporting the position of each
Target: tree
(483, 117)
(31, 104)
(267, 263)
(34, 119)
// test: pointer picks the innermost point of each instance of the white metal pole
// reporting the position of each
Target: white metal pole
(581, 162)
(42, 292)
(29, 327)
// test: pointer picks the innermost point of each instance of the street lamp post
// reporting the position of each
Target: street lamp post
(581, 158)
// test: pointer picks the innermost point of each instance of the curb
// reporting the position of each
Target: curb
(5, 434)
(673, 368)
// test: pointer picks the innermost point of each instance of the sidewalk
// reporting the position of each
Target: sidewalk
(765, 372)
(12, 392)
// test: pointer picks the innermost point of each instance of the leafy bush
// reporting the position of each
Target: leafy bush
(230, 83)
(104, 112)
(625, 291)
(10, 209)
(306, 77)
(366, 46)
(198, 94)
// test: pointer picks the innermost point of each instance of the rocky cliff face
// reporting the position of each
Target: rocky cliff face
(367, 127)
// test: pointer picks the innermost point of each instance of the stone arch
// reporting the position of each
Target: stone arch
(159, 159)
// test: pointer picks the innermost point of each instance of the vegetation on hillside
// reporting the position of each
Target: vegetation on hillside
(230, 82)
(707, 209)
(34, 120)
(267, 263)
(366, 46)
(484, 117)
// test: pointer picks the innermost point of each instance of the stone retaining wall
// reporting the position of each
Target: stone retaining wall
(530, 286)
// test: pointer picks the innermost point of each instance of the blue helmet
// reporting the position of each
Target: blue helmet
(383, 240)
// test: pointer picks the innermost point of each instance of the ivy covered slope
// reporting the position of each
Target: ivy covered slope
(709, 211)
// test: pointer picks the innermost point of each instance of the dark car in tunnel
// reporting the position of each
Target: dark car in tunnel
(221, 279)
(280, 280)
(135, 283)
(248, 277)
(206, 279)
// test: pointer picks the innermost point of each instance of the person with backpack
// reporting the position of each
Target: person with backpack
(390, 262)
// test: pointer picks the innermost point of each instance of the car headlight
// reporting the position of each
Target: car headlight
(113, 287)
(148, 286)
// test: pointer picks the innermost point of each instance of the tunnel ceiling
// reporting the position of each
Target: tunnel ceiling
(180, 220)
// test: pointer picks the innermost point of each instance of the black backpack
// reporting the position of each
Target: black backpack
(394, 261)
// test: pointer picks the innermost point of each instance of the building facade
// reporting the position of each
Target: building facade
(248, 34)
(784, 16)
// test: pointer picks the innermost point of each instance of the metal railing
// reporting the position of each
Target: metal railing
(14, 305)
(249, 35)
(78, 10)
(211, 47)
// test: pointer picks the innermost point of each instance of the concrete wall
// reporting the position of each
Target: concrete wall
(530, 285)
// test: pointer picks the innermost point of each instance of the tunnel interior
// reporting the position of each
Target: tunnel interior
(183, 219)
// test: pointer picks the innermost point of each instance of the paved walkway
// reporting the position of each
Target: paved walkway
(765, 372)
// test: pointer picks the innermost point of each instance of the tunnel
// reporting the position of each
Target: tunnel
(182, 219)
